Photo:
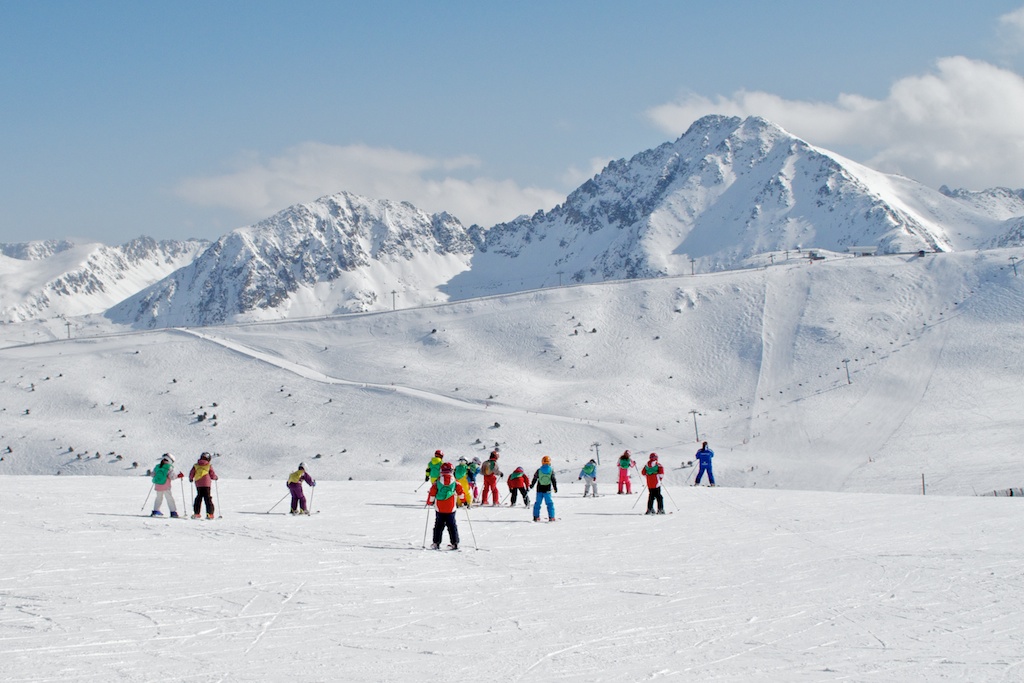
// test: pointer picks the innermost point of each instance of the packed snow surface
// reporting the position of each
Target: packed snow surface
(735, 585)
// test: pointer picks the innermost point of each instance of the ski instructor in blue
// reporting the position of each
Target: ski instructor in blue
(704, 456)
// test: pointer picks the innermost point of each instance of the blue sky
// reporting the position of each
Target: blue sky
(193, 118)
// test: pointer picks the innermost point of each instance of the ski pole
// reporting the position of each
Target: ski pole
(216, 488)
(670, 497)
(505, 498)
(142, 509)
(312, 490)
(426, 524)
(471, 532)
(184, 502)
(420, 486)
(692, 470)
(277, 503)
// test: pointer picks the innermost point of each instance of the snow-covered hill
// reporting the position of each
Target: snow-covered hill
(59, 278)
(341, 253)
(931, 345)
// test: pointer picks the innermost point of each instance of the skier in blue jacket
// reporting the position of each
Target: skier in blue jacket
(545, 482)
(704, 456)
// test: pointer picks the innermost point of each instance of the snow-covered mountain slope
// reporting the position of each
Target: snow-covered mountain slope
(55, 278)
(728, 189)
(999, 202)
(341, 253)
(931, 344)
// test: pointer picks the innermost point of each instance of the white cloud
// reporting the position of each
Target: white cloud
(1011, 31)
(961, 124)
(302, 173)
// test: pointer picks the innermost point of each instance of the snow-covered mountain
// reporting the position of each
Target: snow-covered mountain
(52, 278)
(341, 253)
(725, 191)
(724, 195)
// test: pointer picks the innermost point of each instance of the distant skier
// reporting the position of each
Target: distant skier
(589, 477)
(654, 473)
(433, 467)
(461, 474)
(163, 477)
(444, 495)
(704, 455)
(625, 464)
(491, 473)
(519, 483)
(544, 480)
(203, 475)
(295, 480)
(471, 472)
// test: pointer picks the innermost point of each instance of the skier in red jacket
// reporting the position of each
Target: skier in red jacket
(444, 495)
(654, 472)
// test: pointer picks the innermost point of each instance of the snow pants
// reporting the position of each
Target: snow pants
(624, 481)
(298, 496)
(160, 496)
(467, 490)
(588, 484)
(524, 492)
(545, 498)
(490, 487)
(652, 496)
(203, 494)
(442, 521)
(706, 467)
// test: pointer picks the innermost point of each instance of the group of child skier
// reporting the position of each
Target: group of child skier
(455, 486)
(452, 486)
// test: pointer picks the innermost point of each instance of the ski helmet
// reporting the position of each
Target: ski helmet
(167, 457)
(476, 460)
(446, 468)
(494, 455)
(463, 459)
(438, 453)
(654, 456)
(302, 466)
(545, 460)
(205, 456)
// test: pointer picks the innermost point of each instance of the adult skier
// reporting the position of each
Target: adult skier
(163, 477)
(589, 477)
(491, 473)
(519, 483)
(625, 464)
(544, 480)
(704, 456)
(295, 480)
(433, 467)
(445, 494)
(654, 473)
(203, 475)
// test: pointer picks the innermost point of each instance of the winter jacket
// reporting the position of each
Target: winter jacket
(452, 491)
(490, 468)
(654, 472)
(545, 472)
(704, 455)
(461, 470)
(625, 462)
(589, 470)
(433, 470)
(296, 478)
(164, 471)
(202, 473)
(471, 472)
(518, 480)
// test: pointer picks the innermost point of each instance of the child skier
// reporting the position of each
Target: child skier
(519, 483)
(471, 472)
(433, 467)
(444, 495)
(203, 475)
(589, 476)
(491, 474)
(625, 463)
(704, 455)
(544, 480)
(163, 477)
(295, 480)
(461, 475)
(654, 473)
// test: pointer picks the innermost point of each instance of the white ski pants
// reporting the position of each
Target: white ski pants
(588, 483)
(160, 496)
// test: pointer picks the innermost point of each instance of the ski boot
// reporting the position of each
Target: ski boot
(174, 514)
(156, 513)
(435, 546)
(209, 515)
(197, 516)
